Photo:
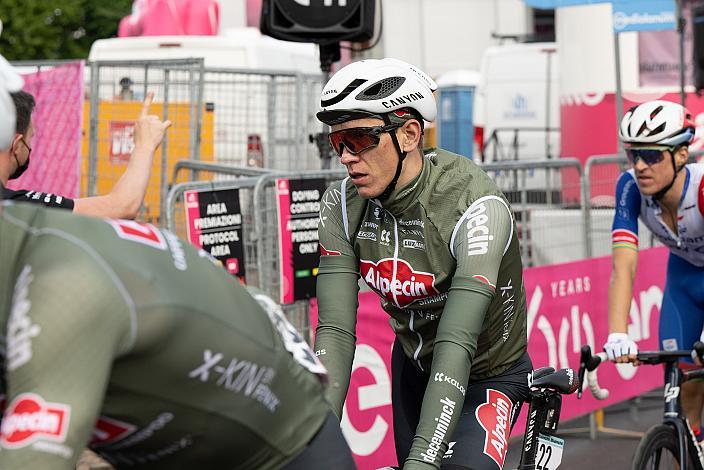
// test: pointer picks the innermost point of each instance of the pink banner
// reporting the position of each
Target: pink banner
(589, 125)
(56, 146)
(192, 213)
(567, 308)
(283, 202)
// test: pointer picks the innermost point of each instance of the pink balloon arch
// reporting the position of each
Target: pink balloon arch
(171, 17)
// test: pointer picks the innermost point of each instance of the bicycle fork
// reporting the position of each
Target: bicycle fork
(543, 417)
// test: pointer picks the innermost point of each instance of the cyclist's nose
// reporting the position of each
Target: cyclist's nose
(640, 165)
(347, 157)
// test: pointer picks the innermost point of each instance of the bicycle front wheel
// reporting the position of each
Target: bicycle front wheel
(659, 450)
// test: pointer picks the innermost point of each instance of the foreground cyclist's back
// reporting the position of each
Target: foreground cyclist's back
(115, 320)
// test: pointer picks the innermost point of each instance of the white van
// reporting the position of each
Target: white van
(238, 48)
(516, 107)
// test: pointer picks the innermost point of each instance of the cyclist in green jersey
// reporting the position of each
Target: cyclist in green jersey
(121, 337)
(434, 237)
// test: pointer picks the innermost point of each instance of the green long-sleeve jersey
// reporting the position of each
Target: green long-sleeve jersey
(442, 252)
(122, 337)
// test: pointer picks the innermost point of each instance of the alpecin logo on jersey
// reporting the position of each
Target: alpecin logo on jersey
(495, 417)
(29, 418)
(408, 286)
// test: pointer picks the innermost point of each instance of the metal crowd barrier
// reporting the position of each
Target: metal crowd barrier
(233, 170)
(544, 195)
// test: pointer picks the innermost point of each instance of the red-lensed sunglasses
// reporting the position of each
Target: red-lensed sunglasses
(358, 139)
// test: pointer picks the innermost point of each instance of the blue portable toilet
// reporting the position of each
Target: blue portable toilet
(455, 100)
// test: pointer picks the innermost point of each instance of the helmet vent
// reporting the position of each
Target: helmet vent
(655, 112)
(655, 131)
(381, 89)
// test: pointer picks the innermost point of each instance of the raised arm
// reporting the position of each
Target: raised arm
(126, 197)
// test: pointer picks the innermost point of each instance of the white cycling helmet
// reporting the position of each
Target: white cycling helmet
(375, 87)
(10, 82)
(657, 122)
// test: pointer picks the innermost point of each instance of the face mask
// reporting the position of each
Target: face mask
(20, 169)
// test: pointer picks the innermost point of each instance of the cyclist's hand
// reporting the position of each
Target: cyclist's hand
(149, 129)
(620, 348)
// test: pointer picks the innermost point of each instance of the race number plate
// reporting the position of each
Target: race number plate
(549, 454)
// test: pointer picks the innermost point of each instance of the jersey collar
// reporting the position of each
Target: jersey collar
(402, 198)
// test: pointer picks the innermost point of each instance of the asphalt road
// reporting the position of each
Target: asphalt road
(606, 451)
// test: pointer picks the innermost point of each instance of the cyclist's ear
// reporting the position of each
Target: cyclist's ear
(410, 135)
(682, 155)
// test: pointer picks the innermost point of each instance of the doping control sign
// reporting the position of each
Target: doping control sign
(215, 225)
(298, 204)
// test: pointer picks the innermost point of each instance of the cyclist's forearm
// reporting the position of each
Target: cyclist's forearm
(336, 351)
(442, 406)
(620, 294)
(454, 349)
(335, 335)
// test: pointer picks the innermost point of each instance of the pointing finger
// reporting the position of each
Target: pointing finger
(147, 102)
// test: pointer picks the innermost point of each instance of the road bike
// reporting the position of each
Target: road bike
(668, 444)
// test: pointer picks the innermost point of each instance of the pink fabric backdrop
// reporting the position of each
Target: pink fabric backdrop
(58, 116)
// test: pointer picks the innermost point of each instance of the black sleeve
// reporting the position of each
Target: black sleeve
(38, 197)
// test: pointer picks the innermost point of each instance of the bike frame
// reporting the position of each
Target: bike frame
(543, 417)
(673, 416)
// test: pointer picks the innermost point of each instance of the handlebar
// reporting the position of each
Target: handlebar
(588, 364)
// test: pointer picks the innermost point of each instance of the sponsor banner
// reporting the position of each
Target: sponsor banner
(298, 207)
(215, 225)
(549, 4)
(567, 308)
(659, 58)
(56, 145)
(643, 15)
(121, 141)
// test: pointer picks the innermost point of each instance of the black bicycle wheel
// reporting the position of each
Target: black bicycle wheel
(658, 450)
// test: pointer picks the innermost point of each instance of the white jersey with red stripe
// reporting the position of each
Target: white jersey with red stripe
(688, 242)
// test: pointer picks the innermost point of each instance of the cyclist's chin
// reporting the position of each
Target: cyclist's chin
(369, 191)
(649, 187)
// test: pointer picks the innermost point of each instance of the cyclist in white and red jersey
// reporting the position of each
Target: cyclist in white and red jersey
(667, 194)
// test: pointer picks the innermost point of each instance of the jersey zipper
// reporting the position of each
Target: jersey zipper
(393, 280)
(668, 229)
